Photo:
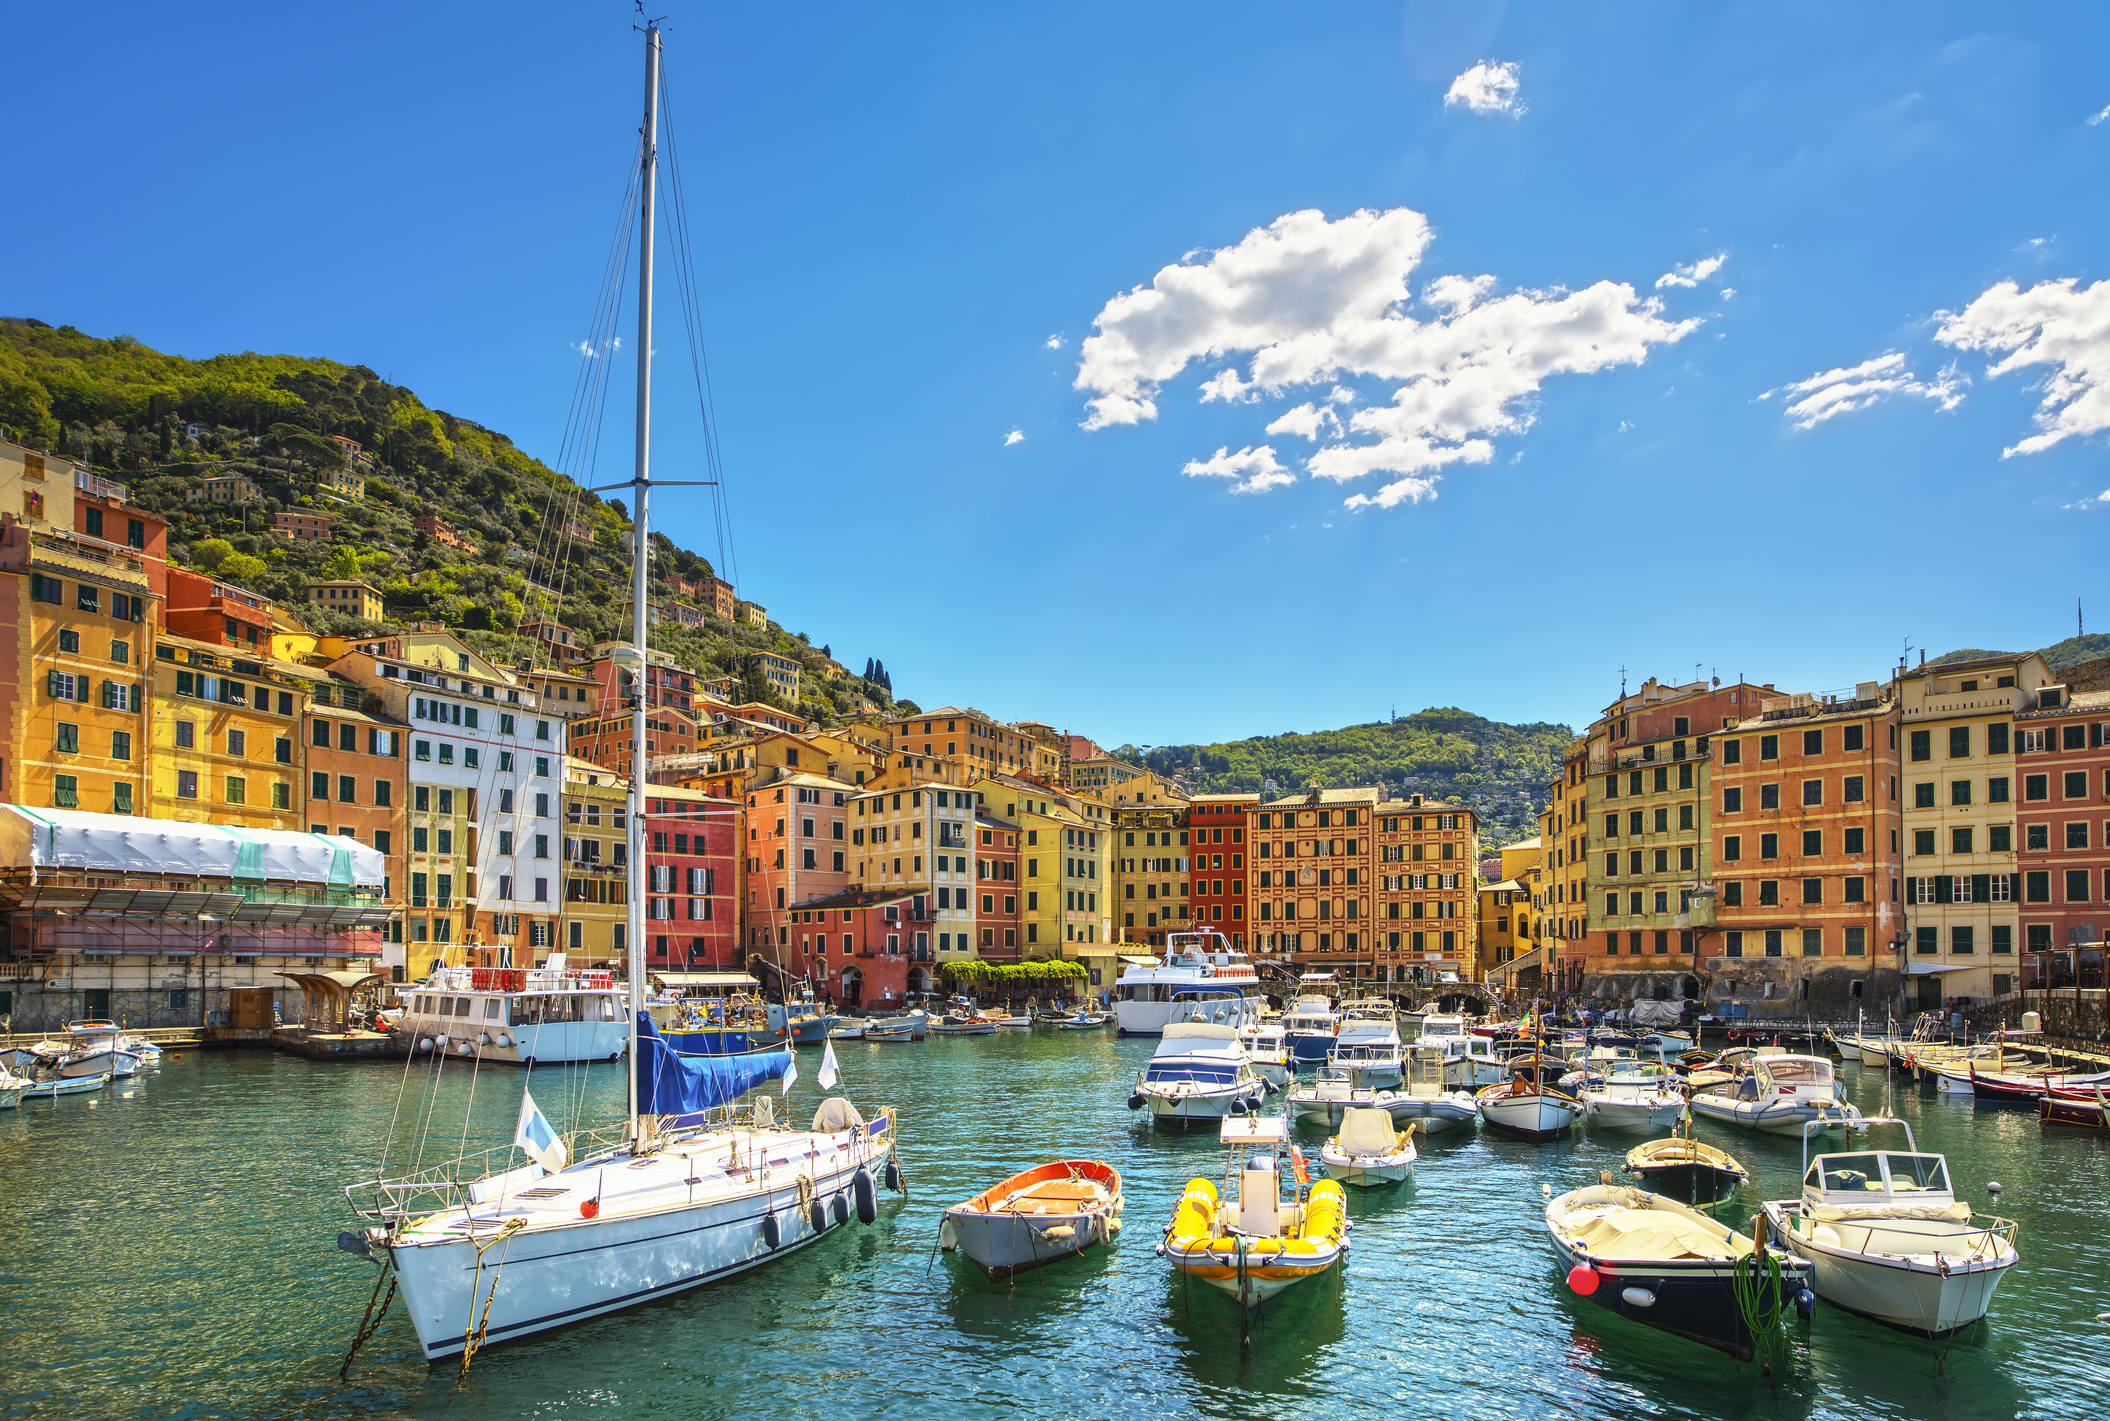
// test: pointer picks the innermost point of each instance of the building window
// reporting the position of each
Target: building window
(237, 790)
(1813, 942)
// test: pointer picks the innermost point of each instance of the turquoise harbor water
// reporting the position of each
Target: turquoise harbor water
(169, 1251)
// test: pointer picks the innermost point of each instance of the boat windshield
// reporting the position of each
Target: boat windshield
(1846, 1173)
(1199, 1072)
(1799, 1070)
(1918, 1173)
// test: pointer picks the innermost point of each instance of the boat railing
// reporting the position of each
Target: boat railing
(440, 1187)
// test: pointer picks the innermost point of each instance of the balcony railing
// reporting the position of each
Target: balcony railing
(101, 487)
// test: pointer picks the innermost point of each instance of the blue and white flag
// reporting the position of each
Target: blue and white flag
(536, 1137)
(791, 1073)
(828, 1076)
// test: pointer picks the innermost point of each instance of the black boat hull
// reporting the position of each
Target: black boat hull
(1695, 1301)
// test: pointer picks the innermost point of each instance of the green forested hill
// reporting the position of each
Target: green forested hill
(1500, 771)
(2059, 655)
(163, 423)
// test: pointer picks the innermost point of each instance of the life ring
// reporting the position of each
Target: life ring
(1735, 1035)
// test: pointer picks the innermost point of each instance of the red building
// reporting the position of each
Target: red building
(692, 876)
(864, 947)
(210, 611)
(1217, 869)
(998, 936)
(2063, 817)
(441, 531)
(104, 515)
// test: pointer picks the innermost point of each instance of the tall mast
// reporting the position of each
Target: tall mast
(640, 552)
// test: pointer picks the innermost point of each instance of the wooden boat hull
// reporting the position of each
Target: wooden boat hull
(2079, 1112)
(1535, 1116)
(1003, 1239)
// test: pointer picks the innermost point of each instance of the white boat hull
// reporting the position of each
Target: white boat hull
(1184, 1107)
(1535, 1117)
(1920, 1293)
(1435, 1113)
(1780, 1115)
(546, 1044)
(1367, 1172)
(1617, 1114)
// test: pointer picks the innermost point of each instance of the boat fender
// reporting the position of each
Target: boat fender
(867, 1194)
(893, 1176)
(440, 1041)
(1135, 1102)
(1060, 1233)
(1637, 1297)
(424, 1043)
(772, 1230)
(1992, 1186)
(1159, 1250)
(839, 1208)
(1805, 1303)
(948, 1236)
(818, 1216)
(1239, 1107)
(1583, 1280)
(483, 1038)
(354, 1243)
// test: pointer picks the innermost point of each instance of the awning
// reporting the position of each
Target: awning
(1924, 969)
(731, 981)
(1139, 961)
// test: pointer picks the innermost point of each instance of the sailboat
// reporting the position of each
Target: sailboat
(699, 1184)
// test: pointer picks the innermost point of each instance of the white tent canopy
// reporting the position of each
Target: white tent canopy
(123, 843)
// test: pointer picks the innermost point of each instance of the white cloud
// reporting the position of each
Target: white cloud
(1727, 292)
(1692, 275)
(2054, 323)
(1308, 420)
(1487, 88)
(2098, 118)
(1313, 300)
(1842, 391)
(2101, 500)
(1016, 436)
(1255, 469)
(1625, 425)
(1053, 342)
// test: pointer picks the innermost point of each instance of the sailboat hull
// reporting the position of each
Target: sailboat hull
(551, 1278)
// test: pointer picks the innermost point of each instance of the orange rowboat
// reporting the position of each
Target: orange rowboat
(1033, 1219)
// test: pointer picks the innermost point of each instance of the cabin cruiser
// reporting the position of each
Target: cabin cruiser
(1368, 1043)
(1267, 1047)
(1198, 966)
(1326, 1099)
(523, 1015)
(1633, 1095)
(1483, 1067)
(1779, 1095)
(1313, 1026)
(1197, 1074)
(800, 1019)
(1889, 1240)
(94, 1049)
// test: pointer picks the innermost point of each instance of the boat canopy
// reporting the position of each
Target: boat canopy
(669, 1083)
(170, 848)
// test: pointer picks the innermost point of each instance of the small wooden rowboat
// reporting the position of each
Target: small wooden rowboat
(1686, 1169)
(1033, 1219)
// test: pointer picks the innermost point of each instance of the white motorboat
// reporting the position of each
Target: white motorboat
(1197, 967)
(1667, 1265)
(1530, 1105)
(696, 1186)
(916, 1022)
(1432, 1092)
(1779, 1095)
(1483, 1066)
(1015, 1019)
(1889, 1240)
(1311, 1025)
(11, 1088)
(1369, 1152)
(1635, 1096)
(1036, 1217)
(1326, 1100)
(93, 1048)
(848, 1031)
(1198, 1074)
(1267, 1048)
(1367, 1043)
(1084, 1021)
(901, 1032)
(518, 1015)
(66, 1085)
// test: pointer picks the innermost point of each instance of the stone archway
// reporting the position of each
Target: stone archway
(1447, 996)
(852, 989)
(919, 981)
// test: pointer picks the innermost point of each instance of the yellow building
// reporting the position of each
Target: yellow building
(348, 595)
(1524, 870)
(1428, 854)
(1501, 907)
(953, 744)
(84, 620)
(1065, 855)
(594, 920)
(1115, 782)
(224, 737)
(1566, 825)
(1150, 873)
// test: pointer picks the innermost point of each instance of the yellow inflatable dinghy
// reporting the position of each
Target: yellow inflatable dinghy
(1254, 1246)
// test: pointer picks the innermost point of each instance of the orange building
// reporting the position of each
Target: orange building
(1427, 856)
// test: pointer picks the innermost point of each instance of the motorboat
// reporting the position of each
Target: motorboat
(915, 1021)
(1668, 1266)
(1687, 1169)
(2082, 1108)
(1726, 1068)
(518, 1015)
(1368, 1152)
(848, 1031)
(94, 1047)
(1014, 1019)
(728, 1026)
(1197, 965)
(800, 1018)
(1778, 1095)
(1084, 1021)
(1643, 1097)
(1311, 1025)
(66, 1085)
(1889, 1239)
(1247, 1239)
(961, 1024)
(1328, 1098)
(1197, 1075)
(900, 1032)
(1367, 1043)
(11, 1088)
(1431, 1094)
(1530, 1104)
(1037, 1217)
(1266, 1046)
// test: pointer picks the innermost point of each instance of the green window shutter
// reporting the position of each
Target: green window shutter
(1981, 887)
(1944, 888)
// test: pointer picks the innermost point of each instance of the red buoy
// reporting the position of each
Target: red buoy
(1583, 1279)
(593, 1206)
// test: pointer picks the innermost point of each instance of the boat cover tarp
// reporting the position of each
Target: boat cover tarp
(670, 1083)
(170, 848)
(1636, 1234)
(1657, 1013)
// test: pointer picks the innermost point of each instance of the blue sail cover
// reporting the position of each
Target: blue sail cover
(669, 1083)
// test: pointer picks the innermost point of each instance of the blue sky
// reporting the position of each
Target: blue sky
(912, 220)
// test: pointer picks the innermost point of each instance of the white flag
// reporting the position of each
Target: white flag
(827, 1077)
(536, 1137)
(791, 1073)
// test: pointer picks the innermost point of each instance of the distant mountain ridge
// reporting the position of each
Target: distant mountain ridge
(2059, 655)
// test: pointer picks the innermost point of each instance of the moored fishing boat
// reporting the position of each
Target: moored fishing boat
(1036, 1217)
(1889, 1240)
(1247, 1240)
(1530, 1104)
(1633, 1096)
(1686, 1169)
(65, 1085)
(1083, 1021)
(1670, 1267)
(2080, 1107)
(1197, 1075)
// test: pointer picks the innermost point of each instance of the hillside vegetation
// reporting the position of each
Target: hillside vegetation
(2058, 656)
(542, 546)
(1499, 771)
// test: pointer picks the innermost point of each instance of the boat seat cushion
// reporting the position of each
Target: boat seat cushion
(1956, 1213)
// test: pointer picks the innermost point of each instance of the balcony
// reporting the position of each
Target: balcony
(86, 482)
